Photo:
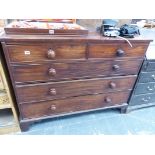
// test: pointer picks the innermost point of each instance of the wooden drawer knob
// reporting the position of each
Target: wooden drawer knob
(107, 100)
(53, 91)
(53, 107)
(51, 54)
(52, 71)
(115, 67)
(120, 53)
(112, 85)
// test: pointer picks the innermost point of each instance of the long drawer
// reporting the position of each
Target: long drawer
(70, 105)
(146, 77)
(142, 99)
(116, 50)
(74, 70)
(142, 88)
(45, 52)
(58, 90)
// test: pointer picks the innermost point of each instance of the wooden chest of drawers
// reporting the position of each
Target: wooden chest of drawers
(144, 91)
(55, 76)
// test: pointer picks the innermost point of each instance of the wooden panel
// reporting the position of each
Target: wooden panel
(8, 101)
(9, 129)
(45, 52)
(62, 71)
(57, 90)
(116, 51)
(73, 104)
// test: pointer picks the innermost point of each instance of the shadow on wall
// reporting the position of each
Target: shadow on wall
(92, 24)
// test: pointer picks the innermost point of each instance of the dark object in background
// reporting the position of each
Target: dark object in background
(110, 22)
(108, 28)
(129, 30)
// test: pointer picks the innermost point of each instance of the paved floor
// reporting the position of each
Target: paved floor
(105, 122)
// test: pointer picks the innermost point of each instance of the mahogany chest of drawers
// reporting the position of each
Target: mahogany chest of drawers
(61, 75)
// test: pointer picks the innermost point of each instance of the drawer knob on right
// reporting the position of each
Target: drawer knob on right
(115, 67)
(112, 85)
(107, 100)
(120, 53)
(51, 54)
(52, 71)
(53, 91)
(53, 107)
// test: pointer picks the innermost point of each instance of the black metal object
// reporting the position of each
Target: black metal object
(109, 28)
(129, 30)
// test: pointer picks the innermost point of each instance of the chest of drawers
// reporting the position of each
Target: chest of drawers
(144, 91)
(56, 76)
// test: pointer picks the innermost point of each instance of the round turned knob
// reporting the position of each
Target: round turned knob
(53, 91)
(112, 85)
(120, 52)
(115, 67)
(107, 100)
(51, 54)
(52, 71)
(53, 107)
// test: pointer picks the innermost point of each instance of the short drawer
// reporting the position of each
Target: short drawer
(147, 77)
(76, 70)
(142, 99)
(148, 66)
(116, 51)
(71, 105)
(45, 52)
(144, 88)
(58, 90)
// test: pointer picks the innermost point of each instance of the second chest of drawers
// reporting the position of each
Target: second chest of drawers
(144, 92)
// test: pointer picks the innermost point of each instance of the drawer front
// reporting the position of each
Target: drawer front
(143, 88)
(147, 77)
(62, 71)
(75, 104)
(58, 90)
(142, 99)
(148, 66)
(116, 51)
(31, 53)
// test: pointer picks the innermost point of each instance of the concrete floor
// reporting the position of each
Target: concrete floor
(105, 122)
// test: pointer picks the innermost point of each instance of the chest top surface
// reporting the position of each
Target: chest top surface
(92, 37)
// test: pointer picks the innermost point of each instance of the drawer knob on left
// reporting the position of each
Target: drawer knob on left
(51, 54)
(112, 85)
(108, 100)
(115, 67)
(52, 71)
(120, 53)
(53, 91)
(53, 107)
